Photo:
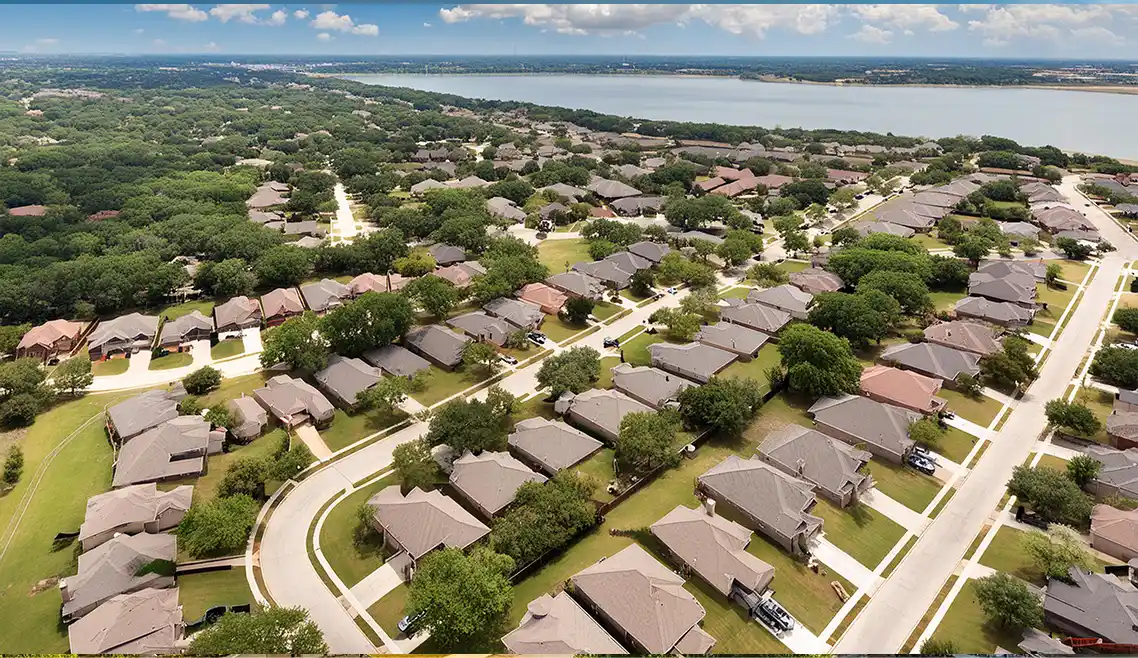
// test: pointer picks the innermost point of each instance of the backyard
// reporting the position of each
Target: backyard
(205, 487)
(201, 591)
(757, 367)
(204, 306)
(560, 255)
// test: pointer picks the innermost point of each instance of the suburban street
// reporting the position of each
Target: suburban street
(896, 608)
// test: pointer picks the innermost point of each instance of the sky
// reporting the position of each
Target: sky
(426, 28)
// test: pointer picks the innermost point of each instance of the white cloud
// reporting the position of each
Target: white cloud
(427, 25)
(1098, 34)
(906, 17)
(872, 34)
(48, 41)
(324, 36)
(758, 19)
(159, 42)
(139, 30)
(300, 14)
(1002, 23)
(277, 18)
(178, 12)
(212, 47)
(243, 13)
(330, 20)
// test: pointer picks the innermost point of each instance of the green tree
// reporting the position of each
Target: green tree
(926, 432)
(1009, 602)
(1127, 318)
(434, 294)
(1051, 494)
(1010, 368)
(973, 248)
(219, 416)
(73, 375)
(202, 380)
(218, 527)
(1057, 550)
(1074, 249)
(463, 600)
(480, 355)
(907, 288)
(578, 309)
(414, 465)
(574, 370)
(817, 362)
(13, 466)
(282, 631)
(1053, 274)
(472, 425)
(415, 264)
(298, 343)
(681, 326)
(767, 275)
(725, 405)
(858, 318)
(385, 396)
(1117, 366)
(1073, 416)
(641, 285)
(10, 336)
(545, 516)
(795, 241)
(373, 320)
(1083, 469)
(845, 236)
(283, 265)
(245, 476)
(735, 250)
(934, 647)
(229, 278)
(646, 442)
(289, 459)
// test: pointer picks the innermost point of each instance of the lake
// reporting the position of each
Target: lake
(1072, 120)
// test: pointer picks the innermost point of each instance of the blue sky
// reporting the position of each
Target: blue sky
(1023, 30)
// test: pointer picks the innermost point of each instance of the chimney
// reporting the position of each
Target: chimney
(538, 608)
(709, 506)
(801, 466)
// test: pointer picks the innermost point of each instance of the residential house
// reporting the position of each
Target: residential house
(280, 305)
(294, 402)
(460, 274)
(637, 206)
(651, 251)
(437, 344)
(786, 298)
(396, 361)
(964, 335)
(1092, 605)
(548, 299)
(50, 340)
(769, 501)
(903, 389)
(1115, 532)
(122, 335)
(567, 191)
(999, 269)
(236, 315)
(422, 521)
(447, 254)
(28, 211)
(422, 187)
(324, 295)
(135, 415)
(173, 450)
(518, 313)
(490, 480)
(688, 237)
(146, 622)
(631, 171)
(559, 625)
(180, 332)
(551, 445)
(483, 327)
(249, 418)
(696, 361)
(651, 386)
(1122, 429)
(1037, 192)
(266, 196)
(835, 468)
(600, 411)
(367, 282)
(644, 602)
(310, 228)
(714, 548)
(577, 284)
(1016, 288)
(844, 177)
(132, 510)
(605, 271)
(869, 228)
(1005, 314)
(116, 567)
(762, 318)
(1019, 231)
(933, 360)
(505, 208)
(1125, 400)
(629, 262)
(882, 428)
(814, 280)
(611, 189)
(345, 378)
(1119, 472)
(1061, 218)
(553, 212)
(1038, 643)
(468, 183)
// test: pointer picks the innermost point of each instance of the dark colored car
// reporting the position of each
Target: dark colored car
(612, 342)
(924, 453)
(774, 615)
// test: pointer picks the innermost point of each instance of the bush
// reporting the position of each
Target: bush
(246, 476)
(1127, 319)
(190, 406)
(1052, 495)
(1009, 602)
(202, 380)
(13, 466)
(219, 527)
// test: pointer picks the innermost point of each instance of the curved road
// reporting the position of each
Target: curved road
(898, 605)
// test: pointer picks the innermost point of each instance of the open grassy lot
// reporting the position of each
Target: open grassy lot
(930, 242)
(757, 367)
(109, 367)
(636, 350)
(201, 591)
(445, 383)
(172, 360)
(389, 610)
(864, 533)
(352, 561)
(227, 348)
(560, 255)
(347, 428)
(782, 410)
(558, 329)
(1006, 553)
(907, 486)
(205, 306)
(980, 410)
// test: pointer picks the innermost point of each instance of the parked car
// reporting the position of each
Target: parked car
(506, 358)
(1125, 346)
(1031, 518)
(774, 615)
(671, 291)
(536, 337)
(407, 621)
(920, 463)
(611, 342)
(924, 452)
(746, 598)
(948, 414)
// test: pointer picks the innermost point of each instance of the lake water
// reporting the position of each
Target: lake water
(1072, 120)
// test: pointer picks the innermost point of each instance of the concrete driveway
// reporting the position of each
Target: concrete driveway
(311, 438)
(344, 226)
(139, 364)
(251, 340)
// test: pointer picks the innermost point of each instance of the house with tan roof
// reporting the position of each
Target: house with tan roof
(422, 521)
(1005, 314)
(116, 567)
(767, 500)
(815, 280)
(520, 314)
(644, 602)
(762, 318)
(698, 362)
(146, 622)
(1115, 532)
(180, 332)
(652, 386)
(324, 295)
(714, 548)
(490, 480)
(131, 511)
(577, 284)
(837, 469)
(902, 388)
(135, 415)
(50, 340)
(786, 298)
(437, 344)
(963, 335)
(294, 402)
(235, 315)
(551, 445)
(859, 421)
(933, 360)
(600, 411)
(249, 418)
(125, 334)
(280, 305)
(175, 449)
(734, 338)
(547, 298)
(559, 625)
(368, 282)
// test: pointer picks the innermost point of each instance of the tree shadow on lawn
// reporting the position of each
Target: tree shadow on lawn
(861, 514)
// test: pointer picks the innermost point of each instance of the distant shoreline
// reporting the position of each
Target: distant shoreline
(1125, 90)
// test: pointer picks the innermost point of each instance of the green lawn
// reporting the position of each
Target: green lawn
(201, 591)
(757, 367)
(235, 387)
(967, 627)
(807, 595)
(604, 310)
(864, 533)
(1056, 300)
(172, 360)
(352, 561)
(636, 350)
(1006, 553)
(981, 410)
(227, 348)
(558, 329)
(205, 487)
(388, 611)
(1101, 403)
(533, 408)
(205, 306)
(928, 241)
(109, 367)
(731, 626)
(907, 486)
(600, 468)
(945, 300)
(346, 428)
(445, 383)
(629, 334)
(560, 255)
(792, 266)
(782, 410)
(738, 292)
(1051, 461)
(955, 444)
(607, 364)
(1074, 270)
(627, 294)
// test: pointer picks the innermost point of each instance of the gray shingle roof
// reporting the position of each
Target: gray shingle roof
(696, 361)
(177, 448)
(238, 311)
(346, 378)
(604, 409)
(146, 622)
(759, 489)
(963, 335)
(521, 314)
(396, 360)
(551, 443)
(505, 208)
(651, 386)
(628, 261)
(324, 294)
(567, 191)
(1016, 288)
(179, 329)
(713, 547)
(558, 625)
(642, 597)
(1101, 603)
(732, 337)
(868, 421)
(638, 205)
(422, 521)
(286, 397)
(282, 302)
(998, 312)
(611, 189)
(445, 254)
(250, 418)
(491, 479)
(785, 297)
(815, 280)
(129, 506)
(439, 343)
(889, 228)
(653, 251)
(113, 568)
(756, 316)
(606, 271)
(1119, 468)
(576, 283)
(933, 360)
(830, 464)
(142, 412)
(126, 330)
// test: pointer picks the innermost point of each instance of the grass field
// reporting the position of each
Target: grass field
(1006, 553)
(445, 383)
(604, 310)
(905, 485)
(201, 591)
(955, 444)
(864, 533)
(558, 329)
(600, 468)
(205, 306)
(757, 367)
(1056, 300)
(389, 610)
(966, 625)
(738, 292)
(109, 367)
(352, 562)
(636, 350)
(981, 410)
(1101, 403)
(227, 348)
(627, 294)
(945, 300)
(1051, 461)
(171, 361)
(792, 266)
(559, 255)
(346, 428)
(607, 364)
